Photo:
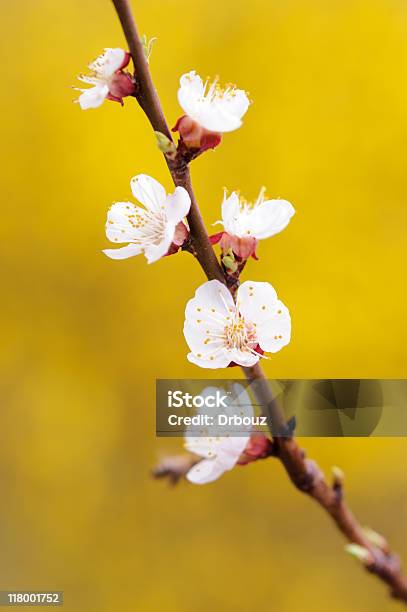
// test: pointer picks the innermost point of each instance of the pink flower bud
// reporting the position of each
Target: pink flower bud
(243, 248)
(181, 234)
(258, 447)
(121, 85)
(194, 136)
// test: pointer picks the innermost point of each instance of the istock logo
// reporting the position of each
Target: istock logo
(178, 399)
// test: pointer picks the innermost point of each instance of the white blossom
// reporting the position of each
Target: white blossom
(215, 109)
(219, 453)
(107, 79)
(152, 228)
(260, 220)
(220, 332)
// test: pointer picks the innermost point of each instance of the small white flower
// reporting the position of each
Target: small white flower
(107, 79)
(215, 109)
(219, 332)
(261, 220)
(219, 453)
(150, 229)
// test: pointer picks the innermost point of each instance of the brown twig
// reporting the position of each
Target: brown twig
(304, 473)
(175, 467)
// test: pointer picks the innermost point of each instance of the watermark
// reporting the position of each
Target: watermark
(315, 407)
(31, 598)
(179, 399)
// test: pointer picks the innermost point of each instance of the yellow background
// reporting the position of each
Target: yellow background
(83, 338)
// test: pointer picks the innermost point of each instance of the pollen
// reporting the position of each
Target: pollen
(240, 335)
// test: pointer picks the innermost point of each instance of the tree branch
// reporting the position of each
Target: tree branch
(304, 473)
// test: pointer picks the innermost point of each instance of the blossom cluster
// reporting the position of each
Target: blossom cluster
(221, 329)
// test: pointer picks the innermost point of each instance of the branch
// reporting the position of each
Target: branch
(175, 467)
(304, 473)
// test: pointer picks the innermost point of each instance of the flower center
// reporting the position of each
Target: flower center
(240, 334)
(149, 226)
(214, 91)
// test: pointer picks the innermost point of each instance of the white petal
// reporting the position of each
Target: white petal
(148, 191)
(243, 358)
(93, 97)
(230, 449)
(206, 316)
(214, 117)
(210, 361)
(213, 110)
(231, 214)
(207, 444)
(205, 471)
(191, 90)
(192, 82)
(120, 222)
(238, 103)
(124, 252)
(256, 301)
(202, 338)
(269, 218)
(203, 446)
(212, 305)
(109, 62)
(177, 205)
(154, 252)
(214, 294)
(227, 449)
(241, 401)
(275, 332)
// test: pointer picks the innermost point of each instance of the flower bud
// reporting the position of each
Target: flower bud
(243, 248)
(121, 85)
(338, 474)
(376, 538)
(229, 261)
(166, 145)
(194, 136)
(181, 234)
(258, 447)
(360, 552)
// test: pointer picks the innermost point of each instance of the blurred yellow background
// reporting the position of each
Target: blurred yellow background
(83, 338)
